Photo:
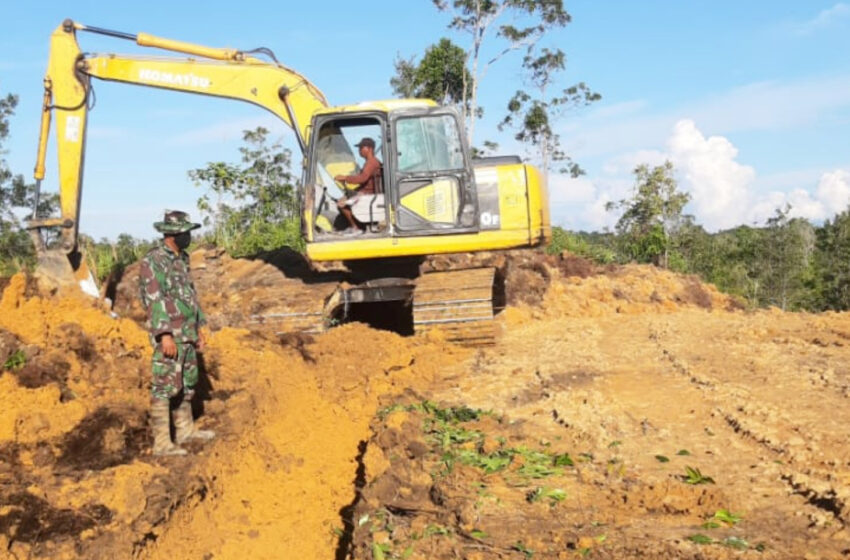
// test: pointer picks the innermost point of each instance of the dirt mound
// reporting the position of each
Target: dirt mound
(290, 412)
(620, 290)
(73, 429)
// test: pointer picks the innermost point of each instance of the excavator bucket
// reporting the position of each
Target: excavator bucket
(55, 273)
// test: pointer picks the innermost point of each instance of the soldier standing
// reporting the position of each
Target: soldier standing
(174, 321)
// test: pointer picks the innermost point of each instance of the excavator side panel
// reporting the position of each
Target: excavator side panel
(516, 214)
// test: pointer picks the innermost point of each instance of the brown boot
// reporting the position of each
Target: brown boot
(161, 428)
(185, 425)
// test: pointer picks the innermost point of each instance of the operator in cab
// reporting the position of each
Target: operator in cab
(368, 181)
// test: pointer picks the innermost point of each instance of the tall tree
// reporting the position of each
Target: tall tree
(833, 262)
(533, 117)
(440, 75)
(786, 259)
(17, 198)
(255, 204)
(652, 216)
(530, 19)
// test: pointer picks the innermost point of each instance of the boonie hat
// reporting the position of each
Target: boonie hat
(175, 222)
(368, 142)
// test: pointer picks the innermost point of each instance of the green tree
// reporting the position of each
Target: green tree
(255, 206)
(440, 75)
(591, 246)
(519, 24)
(106, 259)
(652, 216)
(533, 117)
(17, 198)
(832, 261)
(786, 259)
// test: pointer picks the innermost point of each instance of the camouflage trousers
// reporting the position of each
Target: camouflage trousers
(170, 375)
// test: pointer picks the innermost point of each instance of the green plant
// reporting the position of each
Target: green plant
(563, 460)
(683, 452)
(536, 464)
(16, 361)
(694, 476)
(589, 246)
(554, 495)
(434, 529)
(379, 551)
(727, 517)
(520, 547)
(699, 538)
(662, 459)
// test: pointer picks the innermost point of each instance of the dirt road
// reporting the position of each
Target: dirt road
(629, 413)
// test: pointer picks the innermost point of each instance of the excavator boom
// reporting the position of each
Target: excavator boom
(227, 73)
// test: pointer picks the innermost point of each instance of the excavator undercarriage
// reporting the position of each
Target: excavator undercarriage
(459, 303)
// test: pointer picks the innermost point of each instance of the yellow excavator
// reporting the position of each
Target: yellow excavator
(433, 198)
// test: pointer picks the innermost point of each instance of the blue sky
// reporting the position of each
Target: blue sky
(750, 100)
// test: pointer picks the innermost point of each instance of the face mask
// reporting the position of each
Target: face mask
(183, 240)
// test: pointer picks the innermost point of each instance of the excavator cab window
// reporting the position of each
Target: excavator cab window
(335, 154)
(434, 187)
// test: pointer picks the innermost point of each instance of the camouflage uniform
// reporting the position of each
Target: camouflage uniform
(169, 297)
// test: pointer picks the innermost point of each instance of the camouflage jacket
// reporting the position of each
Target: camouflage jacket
(168, 295)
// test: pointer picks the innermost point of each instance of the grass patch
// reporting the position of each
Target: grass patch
(16, 361)
(694, 476)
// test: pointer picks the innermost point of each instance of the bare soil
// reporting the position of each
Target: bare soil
(625, 412)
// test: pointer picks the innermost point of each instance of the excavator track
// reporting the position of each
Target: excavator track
(457, 302)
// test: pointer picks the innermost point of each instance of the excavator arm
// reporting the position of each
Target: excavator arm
(219, 72)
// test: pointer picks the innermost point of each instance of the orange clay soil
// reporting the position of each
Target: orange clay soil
(291, 416)
(326, 448)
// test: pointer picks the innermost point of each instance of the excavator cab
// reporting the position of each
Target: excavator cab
(427, 186)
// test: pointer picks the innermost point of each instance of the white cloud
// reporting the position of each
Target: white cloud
(597, 214)
(831, 196)
(824, 19)
(567, 190)
(719, 185)
(834, 191)
(723, 190)
(804, 206)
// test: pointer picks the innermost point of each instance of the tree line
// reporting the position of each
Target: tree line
(252, 205)
(789, 263)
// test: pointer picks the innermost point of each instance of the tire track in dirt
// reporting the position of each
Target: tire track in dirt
(623, 389)
(798, 447)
